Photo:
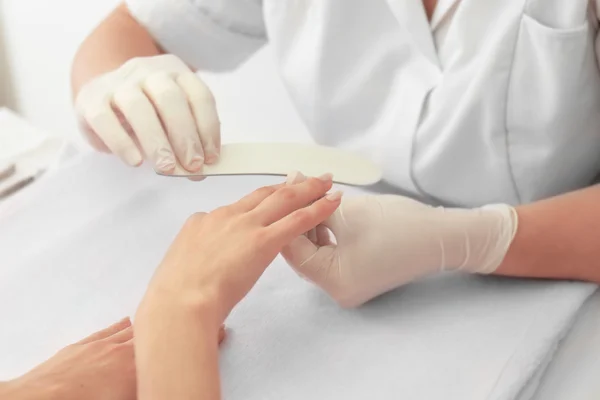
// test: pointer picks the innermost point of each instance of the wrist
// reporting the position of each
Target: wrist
(479, 238)
(160, 301)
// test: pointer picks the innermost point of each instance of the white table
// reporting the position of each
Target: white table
(573, 373)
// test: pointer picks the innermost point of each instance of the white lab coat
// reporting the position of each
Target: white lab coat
(506, 108)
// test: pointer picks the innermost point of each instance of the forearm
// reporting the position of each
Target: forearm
(117, 39)
(176, 349)
(557, 238)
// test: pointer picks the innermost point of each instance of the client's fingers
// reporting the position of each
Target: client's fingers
(249, 202)
(305, 219)
(222, 333)
(290, 198)
(121, 336)
(107, 332)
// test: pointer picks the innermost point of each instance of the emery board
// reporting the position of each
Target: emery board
(282, 158)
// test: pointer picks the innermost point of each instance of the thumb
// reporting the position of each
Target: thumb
(309, 260)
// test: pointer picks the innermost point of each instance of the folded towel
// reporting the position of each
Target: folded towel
(77, 252)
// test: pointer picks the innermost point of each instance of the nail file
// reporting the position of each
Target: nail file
(281, 158)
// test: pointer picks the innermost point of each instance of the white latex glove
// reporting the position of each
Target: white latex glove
(153, 107)
(386, 241)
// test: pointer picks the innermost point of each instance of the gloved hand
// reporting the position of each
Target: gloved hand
(152, 107)
(385, 241)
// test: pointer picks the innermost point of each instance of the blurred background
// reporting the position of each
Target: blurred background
(39, 38)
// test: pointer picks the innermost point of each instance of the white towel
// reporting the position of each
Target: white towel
(77, 251)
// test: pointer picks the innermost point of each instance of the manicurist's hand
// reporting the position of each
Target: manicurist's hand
(385, 241)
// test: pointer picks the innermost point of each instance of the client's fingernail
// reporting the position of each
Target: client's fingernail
(326, 177)
(335, 196)
(294, 177)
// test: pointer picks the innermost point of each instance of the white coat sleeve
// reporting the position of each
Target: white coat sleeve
(212, 35)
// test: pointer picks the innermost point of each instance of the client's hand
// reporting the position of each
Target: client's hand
(98, 367)
(218, 257)
(212, 264)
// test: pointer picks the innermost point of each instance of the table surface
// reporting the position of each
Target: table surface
(571, 375)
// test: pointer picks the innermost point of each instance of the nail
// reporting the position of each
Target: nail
(335, 196)
(165, 165)
(326, 177)
(211, 157)
(196, 162)
(294, 177)
(211, 153)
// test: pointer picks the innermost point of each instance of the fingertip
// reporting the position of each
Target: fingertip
(222, 333)
(335, 197)
(195, 163)
(133, 157)
(294, 177)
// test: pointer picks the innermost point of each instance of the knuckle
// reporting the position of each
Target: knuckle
(202, 95)
(287, 193)
(261, 237)
(97, 347)
(303, 216)
(265, 191)
(167, 96)
(97, 112)
(222, 212)
(194, 220)
(132, 63)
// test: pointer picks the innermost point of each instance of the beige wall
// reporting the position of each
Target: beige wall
(5, 77)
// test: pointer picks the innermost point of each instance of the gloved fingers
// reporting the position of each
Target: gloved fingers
(146, 126)
(290, 198)
(323, 236)
(172, 106)
(103, 121)
(107, 332)
(93, 139)
(312, 235)
(204, 111)
(304, 219)
(309, 260)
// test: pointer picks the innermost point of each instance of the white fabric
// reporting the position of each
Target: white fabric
(97, 229)
(574, 371)
(503, 109)
(217, 34)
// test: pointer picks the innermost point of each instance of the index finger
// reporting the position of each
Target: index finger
(305, 219)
